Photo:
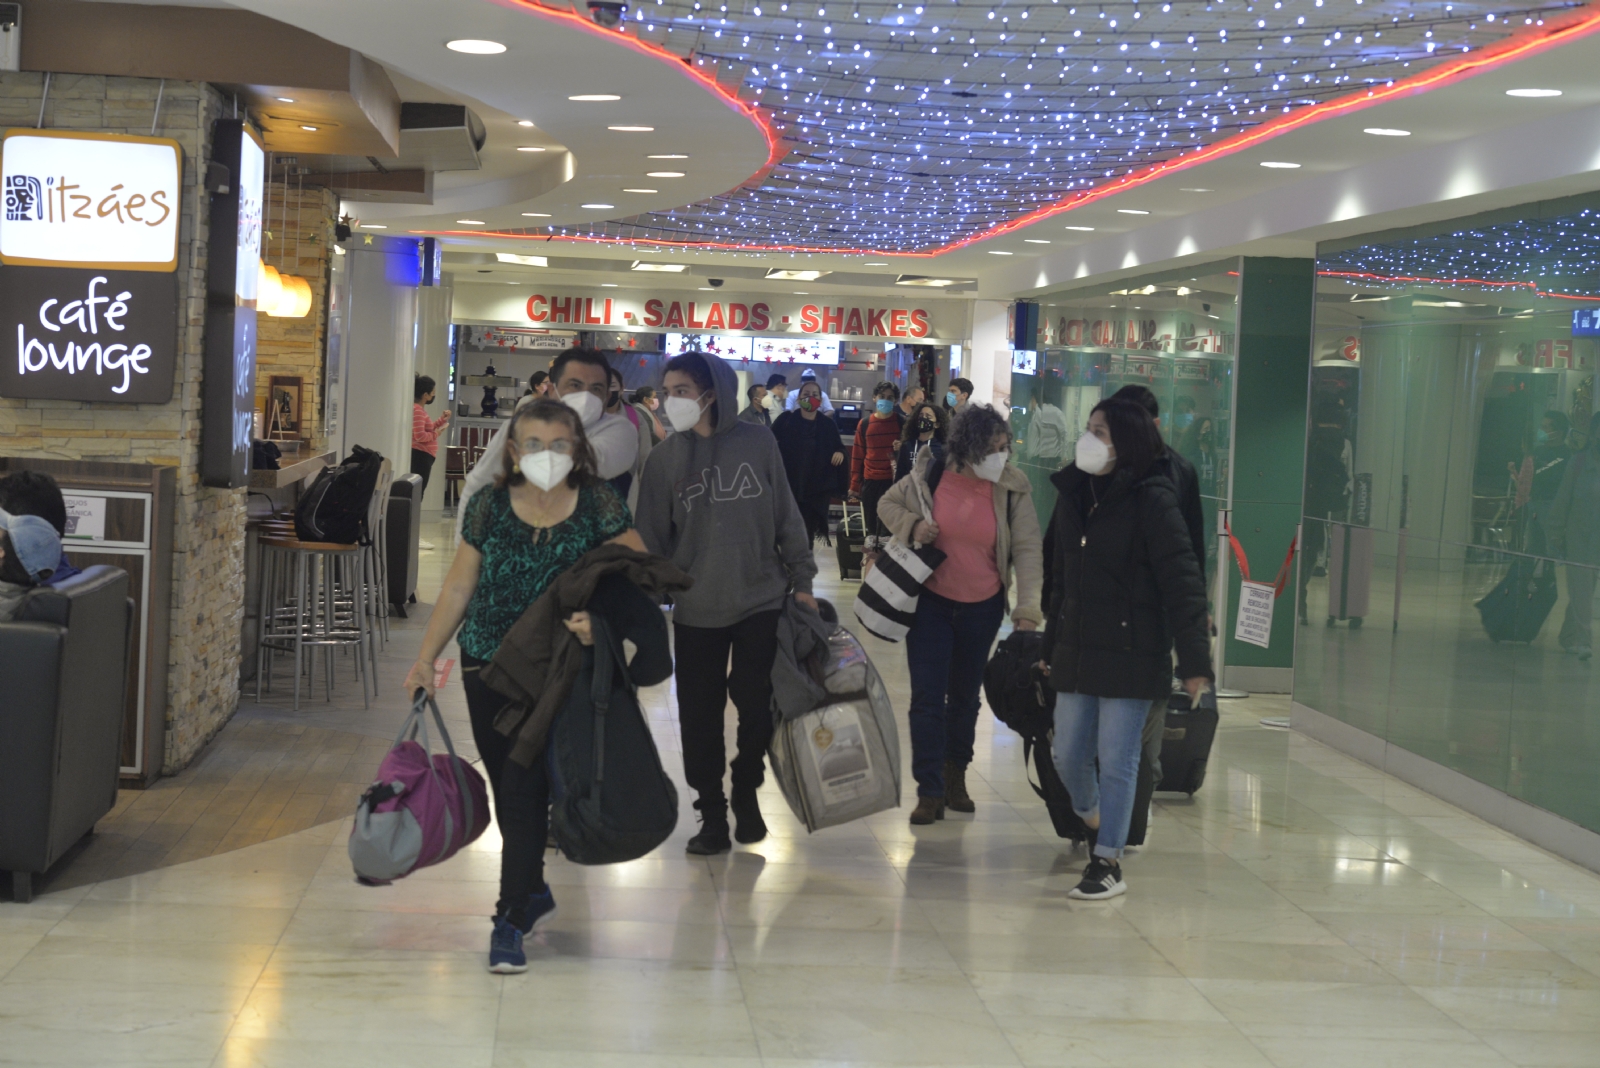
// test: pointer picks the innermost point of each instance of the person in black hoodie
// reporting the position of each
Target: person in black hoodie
(1125, 585)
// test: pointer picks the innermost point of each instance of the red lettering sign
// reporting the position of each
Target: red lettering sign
(832, 320)
(536, 306)
(852, 325)
(675, 315)
(738, 317)
(760, 317)
(875, 322)
(898, 327)
(809, 321)
(561, 309)
(652, 313)
(919, 323)
(714, 319)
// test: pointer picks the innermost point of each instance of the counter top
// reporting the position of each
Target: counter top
(289, 474)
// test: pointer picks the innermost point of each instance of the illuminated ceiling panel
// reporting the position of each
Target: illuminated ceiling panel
(913, 127)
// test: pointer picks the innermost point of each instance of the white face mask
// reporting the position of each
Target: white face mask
(546, 469)
(684, 412)
(586, 404)
(1093, 455)
(770, 401)
(991, 467)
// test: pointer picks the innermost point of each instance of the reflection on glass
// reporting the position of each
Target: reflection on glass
(1451, 530)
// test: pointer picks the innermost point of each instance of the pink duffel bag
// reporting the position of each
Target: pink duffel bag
(421, 809)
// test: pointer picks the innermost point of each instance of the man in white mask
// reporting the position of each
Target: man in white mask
(581, 378)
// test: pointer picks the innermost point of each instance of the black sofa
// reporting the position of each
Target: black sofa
(63, 695)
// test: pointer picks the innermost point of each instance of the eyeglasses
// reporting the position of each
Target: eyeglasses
(533, 446)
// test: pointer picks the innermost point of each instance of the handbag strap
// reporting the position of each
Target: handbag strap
(417, 721)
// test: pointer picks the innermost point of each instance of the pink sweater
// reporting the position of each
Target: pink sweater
(963, 507)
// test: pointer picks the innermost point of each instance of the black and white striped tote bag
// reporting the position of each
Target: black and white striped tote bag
(886, 604)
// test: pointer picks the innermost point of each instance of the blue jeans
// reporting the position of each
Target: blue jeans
(946, 650)
(1108, 729)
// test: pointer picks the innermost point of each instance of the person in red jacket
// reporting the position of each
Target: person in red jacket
(872, 459)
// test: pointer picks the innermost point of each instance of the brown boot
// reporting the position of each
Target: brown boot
(928, 809)
(956, 797)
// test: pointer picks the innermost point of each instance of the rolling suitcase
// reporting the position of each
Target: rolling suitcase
(1515, 610)
(849, 541)
(1349, 573)
(404, 524)
(1186, 746)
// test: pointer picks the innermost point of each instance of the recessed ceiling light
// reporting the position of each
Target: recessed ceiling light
(530, 148)
(663, 174)
(669, 155)
(309, 129)
(632, 129)
(923, 280)
(597, 206)
(802, 292)
(1196, 189)
(536, 214)
(1035, 241)
(1132, 211)
(286, 100)
(1384, 131)
(608, 285)
(794, 275)
(707, 289)
(641, 190)
(876, 263)
(476, 48)
(662, 268)
(373, 226)
(1533, 93)
(524, 122)
(526, 261)
(470, 222)
(1280, 165)
(997, 252)
(594, 98)
(1083, 229)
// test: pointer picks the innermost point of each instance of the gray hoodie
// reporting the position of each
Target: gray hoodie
(720, 508)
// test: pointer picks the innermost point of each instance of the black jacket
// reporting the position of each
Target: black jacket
(1124, 587)
(1181, 473)
(807, 447)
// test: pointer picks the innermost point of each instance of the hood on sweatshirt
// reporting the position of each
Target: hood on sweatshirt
(726, 383)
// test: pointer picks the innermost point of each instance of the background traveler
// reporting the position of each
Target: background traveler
(778, 391)
(957, 396)
(1573, 530)
(715, 500)
(645, 399)
(1550, 455)
(872, 458)
(36, 493)
(757, 412)
(808, 375)
(1125, 585)
(546, 508)
(924, 429)
(29, 549)
(813, 459)
(424, 431)
(617, 404)
(984, 522)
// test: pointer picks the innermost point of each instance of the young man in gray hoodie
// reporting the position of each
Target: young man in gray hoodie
(714, 499)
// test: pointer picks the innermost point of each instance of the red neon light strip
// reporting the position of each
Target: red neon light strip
(1489, 58)
(1365, 276)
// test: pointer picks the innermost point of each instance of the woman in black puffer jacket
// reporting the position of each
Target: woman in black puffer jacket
(1124, 586)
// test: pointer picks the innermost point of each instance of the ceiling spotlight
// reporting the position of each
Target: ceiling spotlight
(469, 222)
(1196, 189)
(594, 98)
(661, 268)
(1533, 93)
(536, 214)
(1280, 165)
(526, 261)
(998, 252)
(669, 155)
(373, 226)
(597, 207)
(641, 190)
(286, 100)
(530, 148)
(608, 13)
(663, 174)
(524, 122)
(788, 275)
(1082, 229)
(608, 285)
(1132, 211)
(476, 48)
(632, 129)
(1034, 241)
(876, 263)
(1384, 131)
(309, 129)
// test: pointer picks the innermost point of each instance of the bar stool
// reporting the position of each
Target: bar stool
(311, 598)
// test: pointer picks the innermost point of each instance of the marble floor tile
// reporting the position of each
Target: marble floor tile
(1077, 1042)
(850, 1034)
(1283, 1009)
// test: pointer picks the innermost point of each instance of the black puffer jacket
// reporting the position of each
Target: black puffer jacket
(1122, 589)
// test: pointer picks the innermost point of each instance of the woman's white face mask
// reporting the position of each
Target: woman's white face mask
(684, 412)
(1092, 456)
(547, 467)
(991, 467)
(586, 404)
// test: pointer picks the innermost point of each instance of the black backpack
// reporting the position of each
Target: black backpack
(334, 509)
(611, 800)
(1021, 698)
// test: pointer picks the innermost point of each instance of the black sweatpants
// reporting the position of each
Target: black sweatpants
(705, 682)
(422, 464)
(521, 798)
(872, 491)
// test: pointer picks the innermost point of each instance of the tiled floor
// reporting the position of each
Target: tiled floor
(1303, 910)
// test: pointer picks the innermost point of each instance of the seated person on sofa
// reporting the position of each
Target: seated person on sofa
(36, 493)
(29, 550)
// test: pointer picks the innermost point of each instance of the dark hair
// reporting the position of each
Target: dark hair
(750, 393)
(1143, 396)
(697, 365)
(11, 568)
(585, 466)
(613, 375)
(777, 380)
(804, 382)
(910, 430)
(643, 394)
(537, 379)
(1133, 434)
(588, 356)
(962, 384)
(422, 387)
(886, 389)
(971, 433)
(34, 493)
(1563, 425)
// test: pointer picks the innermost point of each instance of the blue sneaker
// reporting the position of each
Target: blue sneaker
(541, 906)
(505, 948)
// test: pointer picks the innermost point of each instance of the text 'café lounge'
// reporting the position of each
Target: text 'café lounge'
(275, 278)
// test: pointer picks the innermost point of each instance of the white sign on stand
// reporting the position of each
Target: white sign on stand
(86, 518)
(1255, 613)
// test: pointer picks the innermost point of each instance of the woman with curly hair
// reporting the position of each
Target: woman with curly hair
(973, 505)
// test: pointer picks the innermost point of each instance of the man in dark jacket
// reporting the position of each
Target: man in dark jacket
(1180, 472)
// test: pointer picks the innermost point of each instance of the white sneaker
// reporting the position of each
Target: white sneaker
(424, 544)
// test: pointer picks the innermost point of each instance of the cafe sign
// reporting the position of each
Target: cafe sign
(77, 199)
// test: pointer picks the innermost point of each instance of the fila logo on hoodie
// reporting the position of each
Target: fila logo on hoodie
(743, 484)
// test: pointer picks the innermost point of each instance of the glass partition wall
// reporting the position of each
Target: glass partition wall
(1451, 525)
(1174, 333)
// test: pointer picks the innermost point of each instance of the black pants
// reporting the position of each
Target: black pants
(872, 491)
(705, 683)
(521, 799)
(814, 511)
(422, 464)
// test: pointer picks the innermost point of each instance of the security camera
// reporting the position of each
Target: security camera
(608, 13)
(715, 283)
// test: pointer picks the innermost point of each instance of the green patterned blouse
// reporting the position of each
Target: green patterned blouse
(520, 562)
